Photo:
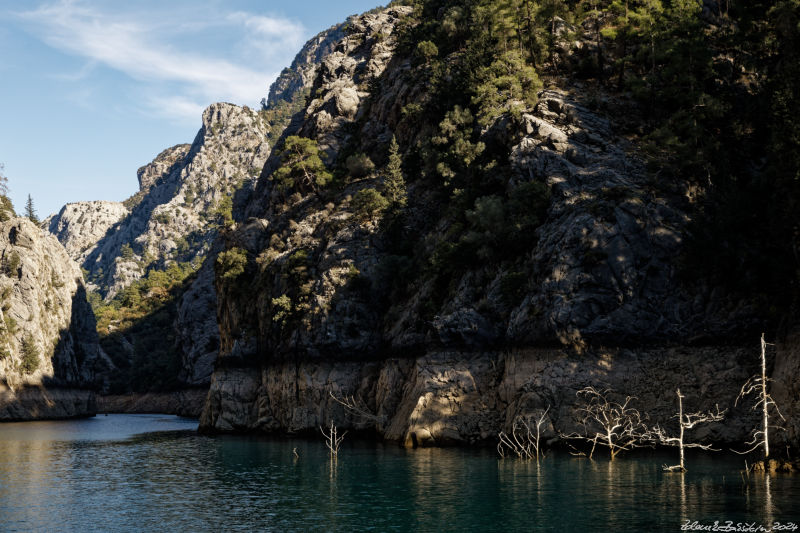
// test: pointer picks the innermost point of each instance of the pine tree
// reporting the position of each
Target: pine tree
(509, 86)
(302, 167)
(3, 181)
(395, 184)
(6, 209)
(30, 211)
(30, 355)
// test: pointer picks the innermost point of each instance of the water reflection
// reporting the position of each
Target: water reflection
(178, 480)
(684, 509)
(768, 510)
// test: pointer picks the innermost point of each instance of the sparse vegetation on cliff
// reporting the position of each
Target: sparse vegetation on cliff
(136, 330)
(30, 355)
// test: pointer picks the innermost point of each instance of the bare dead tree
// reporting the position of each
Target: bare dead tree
(685, 421)
(524, 439)
(358, 407)
(332, 439)
(617, 426)
(758, 385)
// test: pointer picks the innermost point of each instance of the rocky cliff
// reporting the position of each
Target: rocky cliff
(301, 73)
(81, 226)
(560, 271)
(420, 221)
(185, 195)
(49, 351)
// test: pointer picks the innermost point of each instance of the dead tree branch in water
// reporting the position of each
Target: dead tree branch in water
(332, 439)
(617, 426)
(358, 407)
(685, 421)
(758, 385)
(524, 439)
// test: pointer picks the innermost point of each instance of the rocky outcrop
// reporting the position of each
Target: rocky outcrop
(182, 199)
(163, 165)
(186, 194)
(303, 70)
(196, 325)
(48, 338)
(599, 269)
(81, 225)
(28, 402)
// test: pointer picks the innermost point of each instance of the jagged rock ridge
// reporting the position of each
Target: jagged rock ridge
(173, 217)
(185, 196)
(80, 226)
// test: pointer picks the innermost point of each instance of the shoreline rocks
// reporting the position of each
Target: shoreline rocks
(454, 398)
(188, 403)
(29, 403)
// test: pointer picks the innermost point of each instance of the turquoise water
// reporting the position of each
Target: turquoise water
(153, 473)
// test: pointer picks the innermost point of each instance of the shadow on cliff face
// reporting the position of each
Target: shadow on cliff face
(142, 342)
(77, 359)
(551, 230)
(451, 269)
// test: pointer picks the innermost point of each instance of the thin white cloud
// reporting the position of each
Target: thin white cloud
(268, 26)
(79, 75)
(140, 45)
(174, 107)
(268, 38)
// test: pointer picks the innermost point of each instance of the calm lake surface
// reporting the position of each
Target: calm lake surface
(153, 473)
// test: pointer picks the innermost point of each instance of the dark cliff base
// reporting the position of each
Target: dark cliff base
(188, 402)
(455, 398)
(37, 403)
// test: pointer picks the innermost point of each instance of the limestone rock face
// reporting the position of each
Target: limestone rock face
(786, 387)
(451, 398)
(343, 75)
(184, 195)
(81, 225)
(181, 189)
(48, 328)
(186, 402)
(303, 69)
(600, 268)
(162, 165)
(338, 319)
(196, 325)
(603, 264)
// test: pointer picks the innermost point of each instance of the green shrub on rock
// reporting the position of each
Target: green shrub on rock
(30, 355)
(231, 263)
(368, 204)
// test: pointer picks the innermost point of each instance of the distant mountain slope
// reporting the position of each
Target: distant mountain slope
(80, 226)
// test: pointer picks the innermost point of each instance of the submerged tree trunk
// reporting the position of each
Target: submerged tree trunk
(764, 403)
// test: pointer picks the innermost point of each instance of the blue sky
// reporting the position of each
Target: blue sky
(90, 90)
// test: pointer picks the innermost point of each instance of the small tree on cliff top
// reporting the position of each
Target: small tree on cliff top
(30, 211)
